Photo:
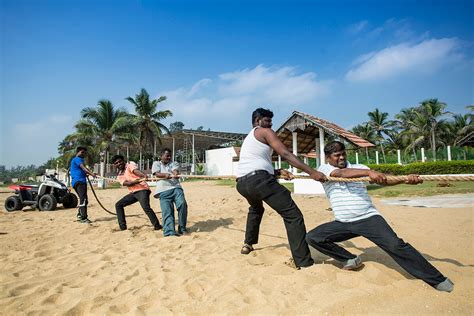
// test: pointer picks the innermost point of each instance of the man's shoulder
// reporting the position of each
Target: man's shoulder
(132, 165)
(77, 160)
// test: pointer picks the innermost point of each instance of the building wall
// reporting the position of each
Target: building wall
(219, 162)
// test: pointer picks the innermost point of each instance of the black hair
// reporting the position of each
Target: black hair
(261, 113)
(117, 157)
(166, 149)
(79, 148)
(332, 147)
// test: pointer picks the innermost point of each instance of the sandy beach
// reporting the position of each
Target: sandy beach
(51, 264)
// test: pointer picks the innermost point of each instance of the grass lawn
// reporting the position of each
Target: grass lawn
(424, 189)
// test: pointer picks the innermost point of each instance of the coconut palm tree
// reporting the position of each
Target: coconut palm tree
(459, 128)
(102, 124)
(147, 119)
(382, 126)
(434, 110)
(366, 132)
(404, 121)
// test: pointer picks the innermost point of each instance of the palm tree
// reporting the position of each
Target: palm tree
(404, 122)
(434, 110)
(103, 125)
(470, 108)
(147, 119)
(366, 132)
(382, 126)
(460, 127)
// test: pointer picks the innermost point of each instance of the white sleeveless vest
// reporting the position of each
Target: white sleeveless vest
(254, 155)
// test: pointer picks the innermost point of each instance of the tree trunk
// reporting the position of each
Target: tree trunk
(433, 143)
(140, 160)
(383, 154)
(414, 153)
(367, 154)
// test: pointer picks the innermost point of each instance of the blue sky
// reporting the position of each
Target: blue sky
(217, 61)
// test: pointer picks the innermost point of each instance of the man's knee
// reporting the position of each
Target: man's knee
(181, 203)
(314, 236)
(396, 244)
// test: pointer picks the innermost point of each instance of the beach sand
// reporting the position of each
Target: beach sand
(51, 264)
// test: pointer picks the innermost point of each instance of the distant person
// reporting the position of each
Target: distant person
(135, 180)
(79, 172)
(357, 216)
(170, 193)
(257, 182)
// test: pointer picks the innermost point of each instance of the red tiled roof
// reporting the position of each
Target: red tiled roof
(308, 129)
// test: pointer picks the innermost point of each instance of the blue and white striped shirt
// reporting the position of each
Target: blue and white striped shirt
(349, 200)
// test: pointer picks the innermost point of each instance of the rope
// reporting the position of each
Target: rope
(97, 199)
(460, 177)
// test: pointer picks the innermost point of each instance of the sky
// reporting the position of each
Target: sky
(216, 61)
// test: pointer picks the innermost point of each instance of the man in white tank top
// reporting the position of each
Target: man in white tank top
(256, 181)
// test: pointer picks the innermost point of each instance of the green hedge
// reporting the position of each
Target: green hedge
(433, 167)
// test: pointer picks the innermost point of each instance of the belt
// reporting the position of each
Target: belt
(251, 174)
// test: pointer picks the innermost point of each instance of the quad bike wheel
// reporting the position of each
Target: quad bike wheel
(70, 200)
(47, 203)
(13, 203)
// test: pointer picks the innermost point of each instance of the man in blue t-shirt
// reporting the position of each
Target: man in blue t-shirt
(79, 174)
(355, 215)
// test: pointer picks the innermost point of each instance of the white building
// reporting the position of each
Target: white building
(222, 161)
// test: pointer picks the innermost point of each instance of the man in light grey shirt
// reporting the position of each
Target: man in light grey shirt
(170, 193)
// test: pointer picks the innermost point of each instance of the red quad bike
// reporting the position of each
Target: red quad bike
(45, 197)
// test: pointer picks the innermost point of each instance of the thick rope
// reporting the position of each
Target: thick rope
(97, 199)
(460, 177)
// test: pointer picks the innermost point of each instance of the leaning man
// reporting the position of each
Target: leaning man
(357, 216)
(135, 181)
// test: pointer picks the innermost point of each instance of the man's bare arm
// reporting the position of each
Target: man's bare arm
(273, 141)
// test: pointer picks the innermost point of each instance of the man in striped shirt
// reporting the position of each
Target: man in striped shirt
(355, 215)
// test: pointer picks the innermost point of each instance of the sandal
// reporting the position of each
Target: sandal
(246, 249)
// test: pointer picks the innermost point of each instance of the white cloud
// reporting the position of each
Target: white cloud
(217, 102)
(425, 57)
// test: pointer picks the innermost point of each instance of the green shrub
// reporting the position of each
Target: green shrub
(433, 167)
(393, 169)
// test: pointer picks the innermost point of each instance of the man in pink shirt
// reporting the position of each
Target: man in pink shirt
(135, 180)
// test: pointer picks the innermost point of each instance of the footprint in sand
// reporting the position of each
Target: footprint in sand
(20, 290)
(134, 274)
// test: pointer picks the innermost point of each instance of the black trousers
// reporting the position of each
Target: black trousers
(264, 187)
(142, 196)
(81, 190)
(377, 230)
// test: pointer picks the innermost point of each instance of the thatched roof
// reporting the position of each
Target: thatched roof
(307, 128)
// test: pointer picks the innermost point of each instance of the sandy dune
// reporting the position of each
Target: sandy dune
(50, 264)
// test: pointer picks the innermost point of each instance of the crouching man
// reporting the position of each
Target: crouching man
(355, 215)
(129, 176)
